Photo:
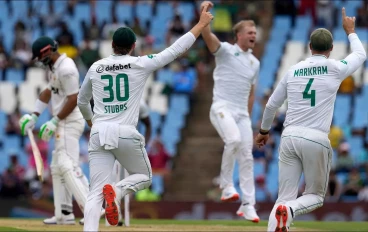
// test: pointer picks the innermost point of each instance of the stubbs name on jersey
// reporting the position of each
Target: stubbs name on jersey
(313, 71)
(115, 108)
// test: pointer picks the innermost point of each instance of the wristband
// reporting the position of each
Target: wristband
(40, 106)
(34, 116)
(264, 132)
(55, 120)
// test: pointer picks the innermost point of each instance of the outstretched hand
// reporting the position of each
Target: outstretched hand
(348, 23)
(206, 16)
(204, 3)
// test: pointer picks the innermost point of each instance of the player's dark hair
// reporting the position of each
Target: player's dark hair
(121, 50)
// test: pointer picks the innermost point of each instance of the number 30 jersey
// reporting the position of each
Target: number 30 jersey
(117, 83)
(310, 88)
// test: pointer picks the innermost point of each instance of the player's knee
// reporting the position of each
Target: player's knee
(65, 164)
(233, 144)
(54, 169)
(320, 200)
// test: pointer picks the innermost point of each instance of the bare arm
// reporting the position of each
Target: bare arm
(146, 121)
(211, 40)
(251, 100)
(44, 97)
(69, 106)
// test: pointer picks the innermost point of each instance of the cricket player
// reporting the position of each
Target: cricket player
(310, 88)
(67, 124)
(117, 84)
(235, 77)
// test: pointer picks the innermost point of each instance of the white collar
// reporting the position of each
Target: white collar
(240, 50)
(318, 56)
(58, 61)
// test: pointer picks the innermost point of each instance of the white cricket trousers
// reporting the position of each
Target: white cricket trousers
(131, 154)
(65, 166)
(306, 151)
(235, 129)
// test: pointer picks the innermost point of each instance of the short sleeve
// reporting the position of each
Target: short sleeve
(224, 46)
(70, 81)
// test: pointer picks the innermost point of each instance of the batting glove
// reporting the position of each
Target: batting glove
(27, 122)
(48, 129)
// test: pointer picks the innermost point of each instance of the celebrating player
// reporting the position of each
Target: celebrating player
(67, 124)
(310, 88)
(235, 76)
(116, 84)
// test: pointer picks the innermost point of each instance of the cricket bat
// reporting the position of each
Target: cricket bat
(36, 155)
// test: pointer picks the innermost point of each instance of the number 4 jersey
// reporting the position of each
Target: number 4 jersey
(117, 83)
(310, 88)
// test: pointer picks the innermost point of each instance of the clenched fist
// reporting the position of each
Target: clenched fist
(26, 122)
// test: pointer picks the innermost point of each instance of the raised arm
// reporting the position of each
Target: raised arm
(211, 40)
(156, 61)
(355, 59)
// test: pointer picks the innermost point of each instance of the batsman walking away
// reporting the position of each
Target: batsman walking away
(67, 125)
(310, 88)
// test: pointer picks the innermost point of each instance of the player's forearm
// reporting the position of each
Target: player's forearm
(251, 100)
(43, 100)
(198, 28)
(147, 124)
(69, 106)
(86, 110)
(268, 117)
(250, 104)
(175, 50)
(358, 55)
(211, 40)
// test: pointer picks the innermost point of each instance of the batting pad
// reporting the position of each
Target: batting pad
(76, 183)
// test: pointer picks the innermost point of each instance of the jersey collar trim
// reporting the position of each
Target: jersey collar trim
(58, 61)
(241, 50)
(318, 55)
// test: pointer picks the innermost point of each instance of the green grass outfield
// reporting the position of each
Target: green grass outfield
(183, 225)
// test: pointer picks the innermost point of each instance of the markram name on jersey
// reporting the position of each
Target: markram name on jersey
(313, 71)
(310, 88)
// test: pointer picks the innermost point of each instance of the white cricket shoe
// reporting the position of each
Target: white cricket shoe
(81, 222)
(229, 194)
(248, 212)
(283, 219)
(65, 220)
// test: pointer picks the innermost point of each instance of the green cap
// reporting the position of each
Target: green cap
(40, 44)
(321, 40)
(124, 37)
